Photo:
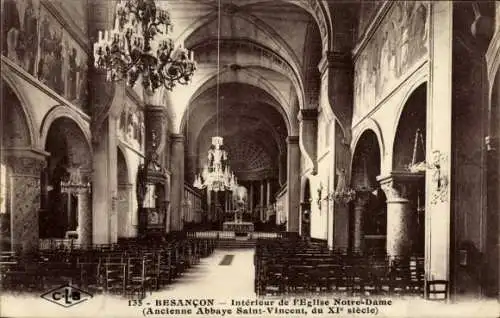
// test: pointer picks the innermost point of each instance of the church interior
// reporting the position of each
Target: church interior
(335, 146)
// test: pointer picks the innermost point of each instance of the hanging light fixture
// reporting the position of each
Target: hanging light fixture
(138, 46)
(73, 182)
(216, 174)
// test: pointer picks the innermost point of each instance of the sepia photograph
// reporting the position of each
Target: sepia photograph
(249, 158)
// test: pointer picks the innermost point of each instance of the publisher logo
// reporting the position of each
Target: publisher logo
(66, 296)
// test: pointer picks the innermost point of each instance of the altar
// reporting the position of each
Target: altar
(238, 227)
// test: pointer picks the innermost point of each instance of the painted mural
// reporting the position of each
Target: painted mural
(33, 39)
(20, 20)
(399, 44)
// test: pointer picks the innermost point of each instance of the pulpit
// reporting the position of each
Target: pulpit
(152, 181)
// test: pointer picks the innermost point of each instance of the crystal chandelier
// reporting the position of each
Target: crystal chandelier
(73, 182)
(216, 175)
(138, 46)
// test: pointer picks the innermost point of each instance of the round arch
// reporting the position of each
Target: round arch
(248, 78)
(305, 189)
(26, 108)
(62, 111)
(122, 155)
(369, 125)
(411, 118)
(410, 89)
(318, 9)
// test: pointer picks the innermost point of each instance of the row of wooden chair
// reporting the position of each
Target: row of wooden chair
(133, 268)
(297, 267)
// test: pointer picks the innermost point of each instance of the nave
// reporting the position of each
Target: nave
(216, 277)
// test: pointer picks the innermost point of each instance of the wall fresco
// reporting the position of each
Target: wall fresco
(399, 44)
(20, 20)
(33, 39)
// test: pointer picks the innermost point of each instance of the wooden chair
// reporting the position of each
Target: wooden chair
(437, 290)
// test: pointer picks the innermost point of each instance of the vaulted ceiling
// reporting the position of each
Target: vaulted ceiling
(268, 53)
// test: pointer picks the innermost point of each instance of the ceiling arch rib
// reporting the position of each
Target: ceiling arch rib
(248, 26)
(317, 9)
(243, 53)
(241, 119)
(251, 78)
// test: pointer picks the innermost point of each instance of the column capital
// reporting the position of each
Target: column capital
(292, 140)
(177, 137)
(398, 185)
(26, 161)
(156, 108)
(335, 59)
(308, 114)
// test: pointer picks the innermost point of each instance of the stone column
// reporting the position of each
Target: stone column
(250, 200)
(439, 141)
(125, 194)
(104, 184)
(360, 208)
(25, 167)
(308, 126)
(293, 184)
(84, 219)
(399, 188)
(261, 200)
(177, 181)
(268, 197)
(282, 168)
(209, 205)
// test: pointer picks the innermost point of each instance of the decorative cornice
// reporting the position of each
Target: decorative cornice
(334, 59)
(372, 28)
(69, 25)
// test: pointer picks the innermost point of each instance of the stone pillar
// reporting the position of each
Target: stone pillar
(209, 205)
(308, 119)
(25, 166)
(125, 213)
(84, 219)
(439, 142)
(282, 169)
(360, 208)
(261, 200)
(293, 184)
(250, 201)
(177, 181)
(104, 184)
(399, 188)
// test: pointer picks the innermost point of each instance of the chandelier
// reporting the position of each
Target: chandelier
(73, 182)
(138, 46)
(216, 175)
(342, 194)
